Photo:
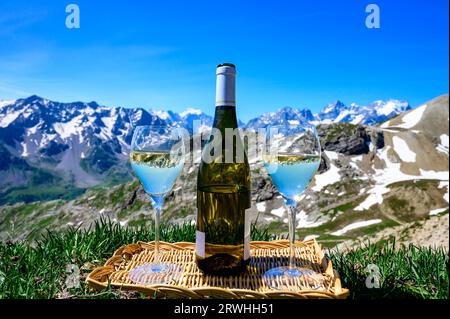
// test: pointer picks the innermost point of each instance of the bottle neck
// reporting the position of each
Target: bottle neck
(225, 117)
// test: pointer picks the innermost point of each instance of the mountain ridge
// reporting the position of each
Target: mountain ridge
(84, 144)
(393, 106)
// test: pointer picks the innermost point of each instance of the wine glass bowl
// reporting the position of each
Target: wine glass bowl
(157, 158)
(291, 156)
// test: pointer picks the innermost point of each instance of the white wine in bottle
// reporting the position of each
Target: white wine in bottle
(223, 190)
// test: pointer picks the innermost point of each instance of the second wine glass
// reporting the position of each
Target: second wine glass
(291, 156)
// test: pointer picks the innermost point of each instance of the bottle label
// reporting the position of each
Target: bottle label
(200, 243)
(247, 234)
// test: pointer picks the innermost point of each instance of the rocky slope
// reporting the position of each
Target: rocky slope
(430, 232)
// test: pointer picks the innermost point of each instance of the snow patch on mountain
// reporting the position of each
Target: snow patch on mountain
(442, 149)
(355, 226)
(412, 118)
(65, 130)
(190, 111)
(332, 155)
(303, 222)
(444, 140)
(163, 115)
(25, 149)
(8, 118)
(392, 174)
(341, 116)
(278, 211)
(437, 211)
(389, 107)
(403, 151)
(329, 177)
(109, 122)
(6, 102)
(261, 206)
(310, 237)
(430, 174)
(357, 119)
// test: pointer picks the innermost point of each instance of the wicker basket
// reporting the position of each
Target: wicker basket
(194, 284)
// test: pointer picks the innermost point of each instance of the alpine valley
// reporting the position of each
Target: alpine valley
(384, 170)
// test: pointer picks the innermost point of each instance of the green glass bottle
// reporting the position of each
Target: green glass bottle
(223, 188)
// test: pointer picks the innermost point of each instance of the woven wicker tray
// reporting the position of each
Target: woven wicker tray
(194, 284)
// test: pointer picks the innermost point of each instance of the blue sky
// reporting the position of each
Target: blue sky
(163, 54)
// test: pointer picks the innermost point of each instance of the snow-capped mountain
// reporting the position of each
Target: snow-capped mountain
(332, 112)
(188, 117)
(337, 112)
(86, 143)
(375, 112)
(82, 141)
(185, 119)
(283, 116)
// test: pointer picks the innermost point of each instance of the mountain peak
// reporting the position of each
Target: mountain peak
(163, 115)
(284, 115)
(190, 111)
(391, 106)
(93, 104)
(285, 108)
(337, 103)
(32, 98)
(334, 107)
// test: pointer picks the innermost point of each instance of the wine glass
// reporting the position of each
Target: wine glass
(291, 156)
(157, 158)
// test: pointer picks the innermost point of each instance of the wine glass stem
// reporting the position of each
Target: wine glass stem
(157, 217)
(291, 222)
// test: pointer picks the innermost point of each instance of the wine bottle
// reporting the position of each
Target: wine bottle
(223, 189)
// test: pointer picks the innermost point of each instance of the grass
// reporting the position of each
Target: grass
(118, 194)
(338, 129)
(101, 194)
(406, 272)
(345, 207)
(40, 270)
(350, 188)
(397, 204)
(19, 219)
(421, 184)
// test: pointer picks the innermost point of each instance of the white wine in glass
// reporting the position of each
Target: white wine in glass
(291, 157)
(157, 158)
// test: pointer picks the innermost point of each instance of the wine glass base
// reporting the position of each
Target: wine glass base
(291, 279)
(155, 273)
